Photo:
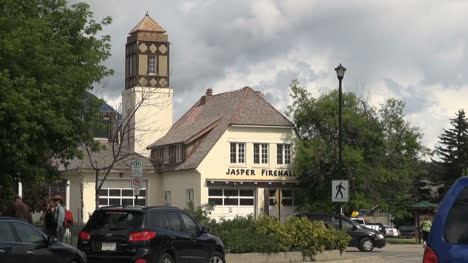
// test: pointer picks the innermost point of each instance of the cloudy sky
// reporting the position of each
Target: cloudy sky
(412, 50)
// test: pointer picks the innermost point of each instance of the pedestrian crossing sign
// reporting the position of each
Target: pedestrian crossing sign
(340, 191)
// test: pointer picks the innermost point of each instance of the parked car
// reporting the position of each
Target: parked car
(363, 238)
(448, 239)
(21, 242)
(148, 234)
(391, 231)
(377, 226)
(408, 231)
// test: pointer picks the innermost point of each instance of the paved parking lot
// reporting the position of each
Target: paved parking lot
(391, 253)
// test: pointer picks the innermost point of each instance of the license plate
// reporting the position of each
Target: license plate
(108, 246)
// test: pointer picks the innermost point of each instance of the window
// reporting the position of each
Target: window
(237, 152)
(456, 229)
(189, 195)
(260, 153)
(28, 234)
(179, 153)
(190, 225)
(173, 221)
(122, 219)
(121, 196)
(6, 235)
(166, 155)
(172, 153)
(287, 197)
(231, 197)
(167, 197)
(283, 153)
(151, 65)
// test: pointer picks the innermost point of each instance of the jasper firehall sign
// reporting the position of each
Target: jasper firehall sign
(261, 172)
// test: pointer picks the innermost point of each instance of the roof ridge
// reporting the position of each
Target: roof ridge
(271, 106)
(238, 107)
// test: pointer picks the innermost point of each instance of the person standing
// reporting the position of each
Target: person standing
(19, 209)
(59, 217)
(426, 228)
(50, 227)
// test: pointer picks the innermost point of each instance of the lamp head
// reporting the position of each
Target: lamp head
(340, 70)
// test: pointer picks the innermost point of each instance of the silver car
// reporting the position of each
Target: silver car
(391, 231)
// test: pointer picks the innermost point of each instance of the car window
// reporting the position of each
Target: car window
(157, 220)
(27, 233)
(115, 219)
(6, 234)
(190, 225)
(173, 222)
(456, 228)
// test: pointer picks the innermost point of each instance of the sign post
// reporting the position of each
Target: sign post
(137, 175)
(340, 194)
(279, 201)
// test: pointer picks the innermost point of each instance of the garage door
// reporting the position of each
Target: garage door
(231, 202)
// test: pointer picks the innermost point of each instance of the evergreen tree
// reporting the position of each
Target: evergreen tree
(453, 151)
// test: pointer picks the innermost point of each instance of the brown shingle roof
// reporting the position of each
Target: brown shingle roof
(212, 115)
(104, 158)
(147, 24)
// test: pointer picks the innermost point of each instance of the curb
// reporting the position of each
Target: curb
(371, 259)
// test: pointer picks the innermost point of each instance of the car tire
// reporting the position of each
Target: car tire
(216, 257)
(366, 244)
(166, 258)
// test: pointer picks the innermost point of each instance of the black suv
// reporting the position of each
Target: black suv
(362, 237)
(148, 234)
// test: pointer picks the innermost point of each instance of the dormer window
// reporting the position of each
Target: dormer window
(179, 153)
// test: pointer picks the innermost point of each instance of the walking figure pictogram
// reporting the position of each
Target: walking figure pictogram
(338, 190)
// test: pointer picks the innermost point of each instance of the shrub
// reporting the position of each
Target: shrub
(267, 234)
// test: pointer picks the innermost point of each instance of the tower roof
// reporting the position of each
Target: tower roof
(148, 24)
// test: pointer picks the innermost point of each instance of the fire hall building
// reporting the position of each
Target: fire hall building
(232, 149)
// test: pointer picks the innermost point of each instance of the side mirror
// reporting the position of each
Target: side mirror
(354, 227)
(51, 240)
(204, 230)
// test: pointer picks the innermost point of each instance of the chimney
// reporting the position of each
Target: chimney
(259, 93)
(204, 99)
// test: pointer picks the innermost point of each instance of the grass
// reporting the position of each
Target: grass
(401, 241)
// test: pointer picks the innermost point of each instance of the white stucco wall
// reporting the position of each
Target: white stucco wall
(151, 120)
(177, 182)
(216, 164)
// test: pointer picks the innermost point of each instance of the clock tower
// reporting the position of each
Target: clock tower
(147, 98)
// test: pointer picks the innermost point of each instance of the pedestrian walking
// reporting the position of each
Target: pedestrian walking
(426, 228)
(59, 216)
(49, 226)
(19, 209)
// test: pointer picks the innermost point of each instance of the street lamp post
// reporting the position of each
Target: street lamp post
(340, 70)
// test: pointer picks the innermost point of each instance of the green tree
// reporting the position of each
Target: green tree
(380, 150)
(453, 151)
(50, 56)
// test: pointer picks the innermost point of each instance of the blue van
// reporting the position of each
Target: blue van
(448, 239)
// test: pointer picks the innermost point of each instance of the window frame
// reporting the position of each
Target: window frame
(152, 65)
(121, 197)
(179, 153)
(237, 153)
(261, 153)
(283, 153)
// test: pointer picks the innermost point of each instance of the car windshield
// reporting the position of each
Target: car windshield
(118, 219)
